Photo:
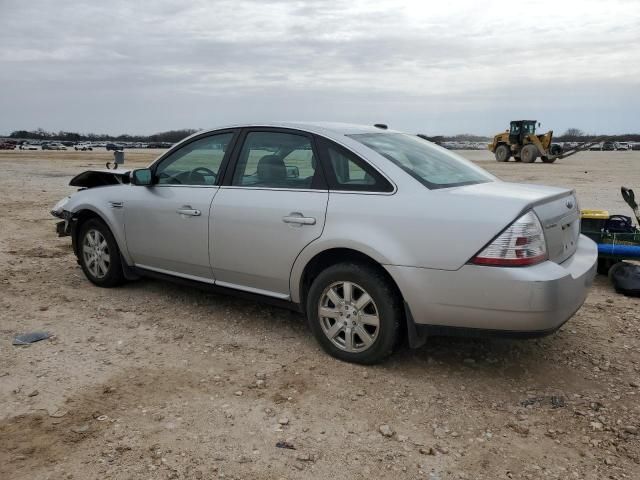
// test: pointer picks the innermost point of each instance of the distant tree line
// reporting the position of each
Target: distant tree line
(577, 135)
(171, 136)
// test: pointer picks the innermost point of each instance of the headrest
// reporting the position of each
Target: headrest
(271, 168)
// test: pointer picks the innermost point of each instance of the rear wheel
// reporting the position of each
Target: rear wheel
(354, 313)
(529, 153)
(548, 159)
(99, 254)
(502, 153)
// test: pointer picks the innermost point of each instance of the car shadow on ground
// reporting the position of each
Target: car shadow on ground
(488, 357)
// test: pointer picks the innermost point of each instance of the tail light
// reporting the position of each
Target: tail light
(521, 244)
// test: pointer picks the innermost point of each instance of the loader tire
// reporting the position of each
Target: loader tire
(502, 153)
(548, 159)
(529, 153)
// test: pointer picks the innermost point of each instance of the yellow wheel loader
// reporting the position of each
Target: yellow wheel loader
(522, 143)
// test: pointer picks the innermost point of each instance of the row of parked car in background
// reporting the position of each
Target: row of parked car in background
(563, 146)
(77, 146)
(88, 146)
(464, 145)
(612, 146)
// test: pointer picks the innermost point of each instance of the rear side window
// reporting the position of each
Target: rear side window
(431, 165)
(277, 160)
(349, 172)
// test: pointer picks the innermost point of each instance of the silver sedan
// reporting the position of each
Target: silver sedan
(376, 235)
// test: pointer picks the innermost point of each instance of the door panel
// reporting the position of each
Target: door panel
(167, 224)
(256, 235)
(167, 228)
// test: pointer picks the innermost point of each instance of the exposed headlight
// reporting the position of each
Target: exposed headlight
(57, 209)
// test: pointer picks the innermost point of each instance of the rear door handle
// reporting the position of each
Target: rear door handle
(187, 210)
(297, 218)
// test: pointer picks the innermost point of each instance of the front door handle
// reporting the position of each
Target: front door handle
(297, 218)
(187, 210)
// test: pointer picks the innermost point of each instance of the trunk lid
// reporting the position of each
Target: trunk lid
(557, 209)
(560, 220)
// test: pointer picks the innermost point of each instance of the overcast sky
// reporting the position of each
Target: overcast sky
(434, 67)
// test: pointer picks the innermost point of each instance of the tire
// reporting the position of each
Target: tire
(503, 153)
(529, 153)
(605, 266)
(548, 160)
(370, 343)
(96, 242)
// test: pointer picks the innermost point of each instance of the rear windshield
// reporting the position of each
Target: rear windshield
(433, 166)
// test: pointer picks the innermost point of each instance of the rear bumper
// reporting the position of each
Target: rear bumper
(526, 301)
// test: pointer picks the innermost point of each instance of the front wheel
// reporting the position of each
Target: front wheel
(529, 153)
(355, 313)
(99, 254)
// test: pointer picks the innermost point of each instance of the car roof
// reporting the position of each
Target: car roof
(329, 129)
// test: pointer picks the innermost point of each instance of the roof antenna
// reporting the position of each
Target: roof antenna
(381, 126)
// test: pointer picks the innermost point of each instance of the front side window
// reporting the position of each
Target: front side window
(433, 166)
(197, 163)
(277, 160)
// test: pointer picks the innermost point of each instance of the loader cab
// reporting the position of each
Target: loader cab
(520, 129)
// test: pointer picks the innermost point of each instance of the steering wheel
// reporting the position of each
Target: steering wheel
(199, 170)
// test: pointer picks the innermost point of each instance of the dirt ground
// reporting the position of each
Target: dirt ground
(154, 380)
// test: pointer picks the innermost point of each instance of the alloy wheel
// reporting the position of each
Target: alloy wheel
(95, 251)
(348, 316)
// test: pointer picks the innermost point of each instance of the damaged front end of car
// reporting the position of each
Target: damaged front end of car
(84, 181)
(63, 228)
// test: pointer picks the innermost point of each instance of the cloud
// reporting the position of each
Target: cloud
(106, 65)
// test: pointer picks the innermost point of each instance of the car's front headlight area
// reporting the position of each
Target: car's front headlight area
(58, 208)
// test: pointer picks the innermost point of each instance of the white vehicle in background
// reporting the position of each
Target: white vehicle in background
(83, 147)
(623, 146)
(53, 146)
(28, 146)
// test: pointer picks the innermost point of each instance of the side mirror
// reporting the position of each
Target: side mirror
(142, 176)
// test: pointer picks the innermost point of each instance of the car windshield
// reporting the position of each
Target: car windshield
(433, 166)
